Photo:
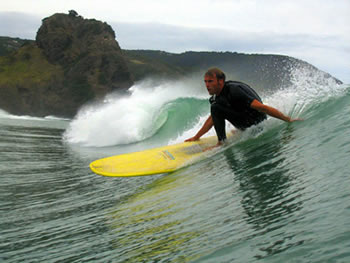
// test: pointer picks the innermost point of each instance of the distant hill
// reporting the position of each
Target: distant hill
(263, 71)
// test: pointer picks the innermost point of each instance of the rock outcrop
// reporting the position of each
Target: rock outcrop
(73, 61)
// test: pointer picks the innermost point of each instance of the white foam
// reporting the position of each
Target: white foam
(4, 114)
(125, 120)
(309, 87)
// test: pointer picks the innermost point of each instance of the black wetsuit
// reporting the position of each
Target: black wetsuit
(233, 104)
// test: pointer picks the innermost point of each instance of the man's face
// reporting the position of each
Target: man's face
(214, 86)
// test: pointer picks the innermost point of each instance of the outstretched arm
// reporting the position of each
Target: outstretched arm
(271, 111)
(205, 128)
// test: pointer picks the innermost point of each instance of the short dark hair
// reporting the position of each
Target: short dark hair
(216, 72)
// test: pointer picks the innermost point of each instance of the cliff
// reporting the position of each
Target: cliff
(72, 61)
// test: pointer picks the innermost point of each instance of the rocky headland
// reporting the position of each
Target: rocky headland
(72, 61)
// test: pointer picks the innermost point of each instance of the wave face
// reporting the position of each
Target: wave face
(173, 111)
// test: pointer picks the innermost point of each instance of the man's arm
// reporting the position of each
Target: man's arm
(205, 128)
(271, 111)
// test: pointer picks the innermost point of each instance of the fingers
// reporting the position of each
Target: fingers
(297, 119)
(192, 139)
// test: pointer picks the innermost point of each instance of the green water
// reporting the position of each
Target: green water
(279, 195)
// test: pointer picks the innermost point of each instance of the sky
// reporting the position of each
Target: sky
(316, 31)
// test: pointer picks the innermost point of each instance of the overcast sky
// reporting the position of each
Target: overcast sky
(317, 31)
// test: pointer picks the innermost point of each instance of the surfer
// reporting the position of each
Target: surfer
(236, 102)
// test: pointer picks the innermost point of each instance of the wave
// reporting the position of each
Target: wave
(172, 111)
(6, 115)
(125, 120)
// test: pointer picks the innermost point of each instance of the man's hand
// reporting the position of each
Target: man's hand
(296, 119)
(192, 139)
(205, 128)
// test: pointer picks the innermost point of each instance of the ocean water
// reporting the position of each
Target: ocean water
(279, 193)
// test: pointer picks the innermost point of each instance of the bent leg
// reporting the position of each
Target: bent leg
(218, 117)
(219, 114)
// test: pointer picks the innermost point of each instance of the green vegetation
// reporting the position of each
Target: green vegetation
(143, 64)
(8, 44)
(26, 65)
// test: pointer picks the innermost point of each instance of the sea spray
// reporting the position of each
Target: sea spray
(3, 114)
(125, 120)
(308, 87)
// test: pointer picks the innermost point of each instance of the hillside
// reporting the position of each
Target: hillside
(9, 44)
(263, 71)
(73, 61)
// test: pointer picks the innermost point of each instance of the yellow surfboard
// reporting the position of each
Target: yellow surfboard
(154, 161)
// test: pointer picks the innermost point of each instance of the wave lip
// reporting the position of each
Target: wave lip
(126, 120)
